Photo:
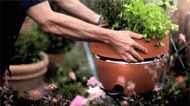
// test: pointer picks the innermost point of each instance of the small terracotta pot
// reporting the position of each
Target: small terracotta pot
(144, 75)
(27, 77)
(54, 60)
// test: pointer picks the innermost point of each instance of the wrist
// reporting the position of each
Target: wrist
(108, 37)
(99, 20)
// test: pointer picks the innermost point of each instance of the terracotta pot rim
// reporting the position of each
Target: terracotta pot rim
(29, 71)
(153, 50)
(27, 77)
(124, 62)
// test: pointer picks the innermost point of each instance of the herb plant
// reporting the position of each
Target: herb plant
(149, 19)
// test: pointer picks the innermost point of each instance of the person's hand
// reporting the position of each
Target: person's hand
(125, 46)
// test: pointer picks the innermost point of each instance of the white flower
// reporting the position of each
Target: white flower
(95, 93)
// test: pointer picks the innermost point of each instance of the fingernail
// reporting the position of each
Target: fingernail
(126, 61)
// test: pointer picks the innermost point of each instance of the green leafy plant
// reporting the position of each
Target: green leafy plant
(28, 47)
(57, 44)
(149, 19)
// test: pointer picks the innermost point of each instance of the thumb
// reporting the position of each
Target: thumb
(135, 35)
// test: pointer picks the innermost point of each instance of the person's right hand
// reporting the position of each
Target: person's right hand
(125, 46)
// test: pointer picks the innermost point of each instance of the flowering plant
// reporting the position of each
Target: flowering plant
(95, 94)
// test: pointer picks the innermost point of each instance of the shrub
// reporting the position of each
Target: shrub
(28, 47)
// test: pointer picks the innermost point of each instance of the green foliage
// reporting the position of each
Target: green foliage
(57, 44)
(28, 47)
(165, 4)
(70, 90)
(110, 9)
(149, 19)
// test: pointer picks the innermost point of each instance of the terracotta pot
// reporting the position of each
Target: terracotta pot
(27, 77)
(117, 74)
(113, 73)
(54, 60)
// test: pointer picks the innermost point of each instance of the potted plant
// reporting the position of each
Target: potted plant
(146, 17)
(29, 64)
(56, 47)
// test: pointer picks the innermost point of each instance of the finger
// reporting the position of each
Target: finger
(124, 57)
(121, 54)
(102, 25)
(135, 35)
(140, 47)
(136, 55)
(129, 57)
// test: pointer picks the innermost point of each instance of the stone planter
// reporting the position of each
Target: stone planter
(27, 77)
(115, 74)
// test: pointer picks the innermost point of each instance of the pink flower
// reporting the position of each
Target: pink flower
(131, 86)
(157, 88)
(78, 101)
(54, 100)
(182, 37)
(180, 80)
(125, 103)
(92, 81)
(72, 75)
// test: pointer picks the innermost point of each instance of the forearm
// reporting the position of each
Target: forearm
(78, 9)
(67, 26)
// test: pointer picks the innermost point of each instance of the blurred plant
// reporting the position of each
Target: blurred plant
(56, 44)
(28, 47)
(75, 62)
(73, 72)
